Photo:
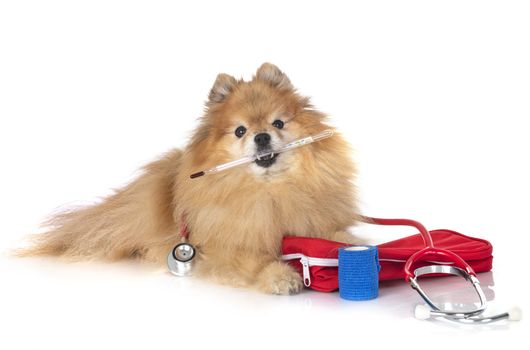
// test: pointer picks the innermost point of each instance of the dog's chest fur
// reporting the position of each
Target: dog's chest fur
(261, 217)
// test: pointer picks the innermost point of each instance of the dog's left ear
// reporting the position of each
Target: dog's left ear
(271, 74)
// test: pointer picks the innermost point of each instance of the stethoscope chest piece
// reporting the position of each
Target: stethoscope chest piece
(180, 259)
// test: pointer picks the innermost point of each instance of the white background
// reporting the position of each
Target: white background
(434, 97)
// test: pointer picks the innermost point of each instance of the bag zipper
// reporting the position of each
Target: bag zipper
(307, 262)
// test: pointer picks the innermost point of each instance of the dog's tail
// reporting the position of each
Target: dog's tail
(136, 221)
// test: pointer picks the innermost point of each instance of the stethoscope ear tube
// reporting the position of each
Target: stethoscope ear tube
(423, 312)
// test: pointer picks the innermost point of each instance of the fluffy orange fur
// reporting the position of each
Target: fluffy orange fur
(236, 218)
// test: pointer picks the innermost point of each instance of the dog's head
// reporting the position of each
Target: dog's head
(253, 117)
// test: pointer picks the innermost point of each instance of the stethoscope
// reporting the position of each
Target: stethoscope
(458, 268)
(180, 262)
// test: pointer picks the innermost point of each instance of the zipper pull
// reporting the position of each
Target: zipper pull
(305, 269)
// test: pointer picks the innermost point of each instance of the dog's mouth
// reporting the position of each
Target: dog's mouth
(266, 161)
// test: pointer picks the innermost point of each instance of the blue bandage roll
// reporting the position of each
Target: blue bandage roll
(358, 272)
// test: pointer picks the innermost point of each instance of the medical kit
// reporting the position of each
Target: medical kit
(356, 271)
(317, 259)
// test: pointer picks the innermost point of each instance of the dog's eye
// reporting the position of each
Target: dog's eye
(277, 124)
(240, 131)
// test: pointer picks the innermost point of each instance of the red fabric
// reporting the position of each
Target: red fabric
(476, 252)
(184, 232)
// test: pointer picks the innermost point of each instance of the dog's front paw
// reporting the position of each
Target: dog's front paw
(279, 278)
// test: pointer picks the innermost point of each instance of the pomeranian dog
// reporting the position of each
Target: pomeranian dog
(236, 218)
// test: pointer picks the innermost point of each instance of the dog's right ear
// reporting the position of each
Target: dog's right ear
(224, 84)
(271, 74)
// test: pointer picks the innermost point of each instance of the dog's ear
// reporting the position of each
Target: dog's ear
(271, 74)
(224, 84)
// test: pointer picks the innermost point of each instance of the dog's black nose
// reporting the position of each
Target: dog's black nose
(262, 139)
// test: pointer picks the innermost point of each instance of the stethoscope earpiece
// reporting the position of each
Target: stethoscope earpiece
(422, 312)
(515, 314)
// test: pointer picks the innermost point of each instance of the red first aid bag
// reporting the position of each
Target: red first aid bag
(317, 259)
